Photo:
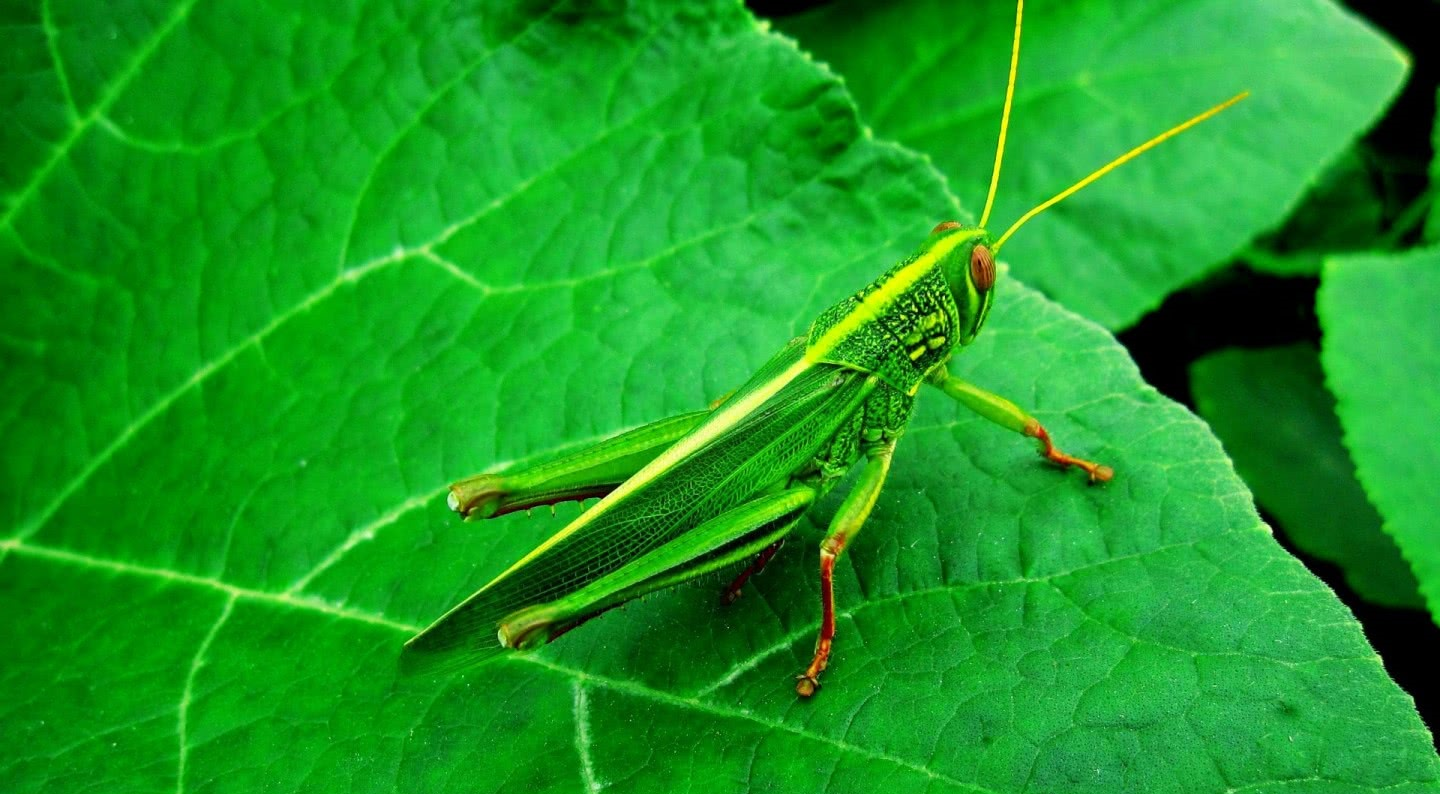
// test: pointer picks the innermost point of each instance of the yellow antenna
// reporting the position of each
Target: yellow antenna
(1004, 114)
(1113, 164)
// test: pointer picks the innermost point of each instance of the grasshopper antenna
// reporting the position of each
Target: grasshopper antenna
(1110, 166)
(1004, 114)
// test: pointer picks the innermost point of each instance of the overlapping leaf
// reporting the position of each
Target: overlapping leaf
(1382, 357)
(277, 276)
(1095, 79)
(1278, 422)
(1343, 212)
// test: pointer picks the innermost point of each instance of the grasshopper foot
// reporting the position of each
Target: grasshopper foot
(806, 684)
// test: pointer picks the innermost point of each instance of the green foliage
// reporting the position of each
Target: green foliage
(1095, 79)
(1381, 355)
(1343, 212)
(274, 277)
(1278, 422)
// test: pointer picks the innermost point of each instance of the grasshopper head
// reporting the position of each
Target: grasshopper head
(969, 269)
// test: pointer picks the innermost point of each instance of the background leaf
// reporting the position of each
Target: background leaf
(1096, 78)
(1381, 355)
(284, 274)
(1343, 212)
(1278, 423)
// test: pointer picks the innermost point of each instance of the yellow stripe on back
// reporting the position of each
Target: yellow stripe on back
(878, 301)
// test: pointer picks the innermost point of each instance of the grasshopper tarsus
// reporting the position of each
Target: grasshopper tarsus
(808, 682)
(806, 685)
(1097, 472)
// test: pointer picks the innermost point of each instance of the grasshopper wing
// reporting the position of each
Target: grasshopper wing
(771, 428)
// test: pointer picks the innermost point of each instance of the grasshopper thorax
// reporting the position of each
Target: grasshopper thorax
(906, 323)
(969, 270)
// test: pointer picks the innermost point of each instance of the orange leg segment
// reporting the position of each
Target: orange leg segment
(1011, 416)
(848, 521)
(807, 682)
(1098, 471)
(732, 592)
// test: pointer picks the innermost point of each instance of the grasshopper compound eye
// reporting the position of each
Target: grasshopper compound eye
(945, 226)
(982, 268)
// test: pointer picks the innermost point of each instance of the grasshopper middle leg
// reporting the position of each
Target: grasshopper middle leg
(843, 528)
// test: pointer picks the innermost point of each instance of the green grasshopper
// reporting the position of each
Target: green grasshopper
(709, 490)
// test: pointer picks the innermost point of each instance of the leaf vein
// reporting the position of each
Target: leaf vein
(809, 628)
(640, 690)
(112, 92)
(364, 534)
(52, 33)
(414, 122)
(187, 695)
(524, 185)
(196, 378)
(582, 737)
(301, 604)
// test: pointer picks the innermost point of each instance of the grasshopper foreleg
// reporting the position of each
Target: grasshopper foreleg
(1009, 415)
(591, 471)
(843, 528)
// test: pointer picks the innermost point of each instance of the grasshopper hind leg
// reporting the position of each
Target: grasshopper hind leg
(585, 473)
(716, 545)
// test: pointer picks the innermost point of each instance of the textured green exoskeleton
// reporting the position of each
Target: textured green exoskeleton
(712, 490)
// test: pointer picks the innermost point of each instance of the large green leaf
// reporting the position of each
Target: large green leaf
(1278, 422)
(1097, 77)
(1381, 354)
(284, 274)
